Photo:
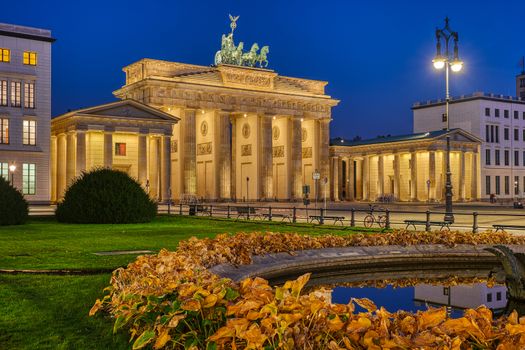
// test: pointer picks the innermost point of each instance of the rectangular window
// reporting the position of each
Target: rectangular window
(496, 157)
(487, 133)
(5, 55)
(506, 113)
(16, 91)
(523, 116)
(497, 133)
(489, 298)
(3, 92)
(496, 113)
(487, 112)
(487, 185)
(4, 130)
(507, 156)
(507, 185)
(523, 135)
(29, 95)
(120, 149)
(30, 58)
(516, 185)
(487, 157)
(498, 296)
(4, 170)
(523, 158)
(498, 187)
(516, 115)
(516, 158)
(28, 178)
(492, 133)
(506, 134)
(516, 134)
(29, 132)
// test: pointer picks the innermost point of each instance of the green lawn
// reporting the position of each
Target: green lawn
(50, 312)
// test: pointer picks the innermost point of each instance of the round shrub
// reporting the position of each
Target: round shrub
(13, 206)
(105, 196)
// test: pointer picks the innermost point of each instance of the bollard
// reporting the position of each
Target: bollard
(270, 213)
(211, 210)
(387, 222)
(427, 223)
(248, 212)
(475, 222)
(228, 213)
(180, 209)
(352, 217)
(321, 217)
(294, 215)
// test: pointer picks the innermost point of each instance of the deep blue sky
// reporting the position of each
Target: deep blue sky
(376, 55)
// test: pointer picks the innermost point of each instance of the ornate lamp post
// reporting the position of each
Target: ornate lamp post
(12, 169)
(449, 62)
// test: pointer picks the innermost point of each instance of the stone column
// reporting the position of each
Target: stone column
(266, 159)
(364, 177)
(154, 166)
(432, 173)
(295, 156)
(53, 164)
(61, 165)
(335, 179)
(142, 159)
(189, 154)
(350, 190)
(223, 151)
(70, 158)
(397, 176)
(165, 169)
(81, 152)
(324, 158)
(381, 175)
(413, 176)
(462, 175)
(233, 164)
(474, 177)
(108, 149)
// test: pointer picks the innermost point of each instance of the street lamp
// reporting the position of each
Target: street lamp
(448, 62)
(12, 169)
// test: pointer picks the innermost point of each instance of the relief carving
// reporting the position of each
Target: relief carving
(278, 152)
(276, 132)
(246, 130)
(174, 146)
(307, 152)
(246, 150)
(204, 148)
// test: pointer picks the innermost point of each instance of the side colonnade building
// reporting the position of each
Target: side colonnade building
(405, 168)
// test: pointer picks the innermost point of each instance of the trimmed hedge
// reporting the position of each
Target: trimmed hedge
(13, 206)
(105, 196)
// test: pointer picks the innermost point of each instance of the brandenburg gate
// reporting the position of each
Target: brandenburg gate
(245, 132)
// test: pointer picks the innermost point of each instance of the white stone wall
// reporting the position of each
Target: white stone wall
(469, 114)
(15, 152)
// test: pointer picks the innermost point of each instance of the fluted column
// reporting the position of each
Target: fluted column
(324, 158)
(335, 179)
(165, 169)
(474, 177)
(432, 174)
(364, 177)
(350, 176)
(296, 157)
(266, 164)
(189, 153)
(413, 176)
(53, 164)
(108, 149)
(223, 149)
(81, 152)
(397, 176)
(462, 175)
(70, 158)
(154, 166)
(61, 165)
(142, 159)
(381, 175)
(233, 164)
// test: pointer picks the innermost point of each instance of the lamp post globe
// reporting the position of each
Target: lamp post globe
(12, 169)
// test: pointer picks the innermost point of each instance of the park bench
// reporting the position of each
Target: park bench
(283, 216)
(317, 218)
(246, 212)
(441, 224)
(500, 227)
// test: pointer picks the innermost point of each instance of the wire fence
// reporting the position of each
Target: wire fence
(356, 217)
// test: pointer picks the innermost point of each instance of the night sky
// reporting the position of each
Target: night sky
(376, 55)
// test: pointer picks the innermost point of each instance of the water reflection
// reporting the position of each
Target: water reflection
(420, 296)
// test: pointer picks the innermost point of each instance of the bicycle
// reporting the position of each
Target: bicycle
(371, 218)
